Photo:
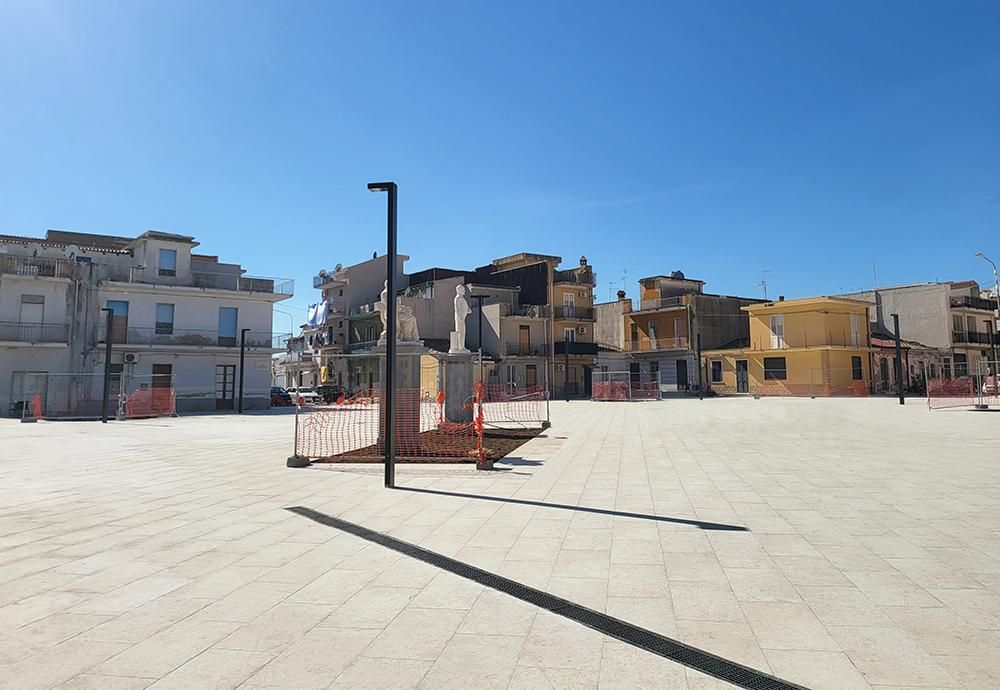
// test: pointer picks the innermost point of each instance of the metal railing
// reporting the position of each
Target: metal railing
(974, 303)
(19, 332)
(573, 347)
(37, 266)
(189, 337)
(535, 311)
(576, 276)
(661, 303)
(576, 313)
(525, 349)
(330, 278)
(974, 337)
(222, 281)
(654, 344)
(362, 345)
(363, 309)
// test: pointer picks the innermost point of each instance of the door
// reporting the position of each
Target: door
(225, 384)
(569, 305)
(742, 376)
(883, 373)
(682, 374)
(588, 381)
(530, 376)
(119, 320)
(31, 318)
(523, 340)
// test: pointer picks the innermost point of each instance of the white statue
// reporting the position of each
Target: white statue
(462, 310)
(406, 322)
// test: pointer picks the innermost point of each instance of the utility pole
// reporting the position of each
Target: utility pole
(389, 388)
(109, 324)
(479, 305)
(899, 360)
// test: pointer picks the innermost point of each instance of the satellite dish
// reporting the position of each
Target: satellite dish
(71, 251)
(35, 248)
(338, 267)
(322, 273)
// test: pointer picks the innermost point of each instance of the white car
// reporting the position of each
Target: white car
(307, 395)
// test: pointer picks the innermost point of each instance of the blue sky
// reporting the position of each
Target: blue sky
(721, 138)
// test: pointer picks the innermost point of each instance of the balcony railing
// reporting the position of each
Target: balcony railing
(533, 311)
(975, 338)
(19, 332)
(576, 277)
(189, 337)
(974, 303)
(574, 313)
(332, 278)
(525, 349)
(37, 266)
(222, 281)
(363, 309)
(662, 303)
(561, 347)
(362, 345)
(656, 344)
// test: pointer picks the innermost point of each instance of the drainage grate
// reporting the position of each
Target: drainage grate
(724, 669)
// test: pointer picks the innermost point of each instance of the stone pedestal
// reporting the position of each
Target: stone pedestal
(458, 386)
(406, 407)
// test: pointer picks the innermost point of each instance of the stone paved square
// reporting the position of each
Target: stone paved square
(160, 553)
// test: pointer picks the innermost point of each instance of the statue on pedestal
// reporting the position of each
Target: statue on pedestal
(462, 310)
(406, 322)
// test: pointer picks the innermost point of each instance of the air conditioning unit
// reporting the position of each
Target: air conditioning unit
(560, 367)
(581, 329)
(583, 293)
(130, 358)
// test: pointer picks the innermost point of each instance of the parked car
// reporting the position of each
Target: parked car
(331, 392)
(280, 397)
(306, 395)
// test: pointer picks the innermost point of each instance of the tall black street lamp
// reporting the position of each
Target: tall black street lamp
(109, 324)
(479, 305)
(243, 350)
(389, 389)
(899, 360)
(566, 342)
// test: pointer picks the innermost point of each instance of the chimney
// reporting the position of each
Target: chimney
(583, 262)
(621, 295)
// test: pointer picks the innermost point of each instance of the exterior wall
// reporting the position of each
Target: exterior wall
(817, 372)
(436, 315)
(669, 334)
(807, 329)
(608, 329)
(719, 319)
(56, 291)
(923, 312)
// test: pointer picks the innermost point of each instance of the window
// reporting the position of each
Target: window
(168, 262)
(652, 330)
(717, 371)
(855, 330)
(957, 324)
(857, 373)
(119, 320)
(778, 333)
(511, 375)
(569, 335)
(633, 332)
(163, 376)
(946, 367)
(774, 368)
(164, 319)
(32, 309)
(971, 321)
(227, 326)
(933, 370)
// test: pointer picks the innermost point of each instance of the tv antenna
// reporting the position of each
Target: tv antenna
(763, 281)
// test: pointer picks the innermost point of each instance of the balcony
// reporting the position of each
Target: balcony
(362, 310)
(288, 358)
(968, 302)
(330, 279)
(662, 303)
(656, 344)
(529, 311)
(37, 266)
(525, 349)
(574, 314)
(361, 345)
(19, 332)
(563, 347)
(974, 338)
(189, 337)
(208, 281)
(576, 277)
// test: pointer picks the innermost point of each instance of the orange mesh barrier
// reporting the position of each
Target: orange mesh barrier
(150, 402)
(953, 392)
(351, 431)
(524, 405)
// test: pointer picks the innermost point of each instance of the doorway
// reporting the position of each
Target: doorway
(682, 375)
(742, 376)
(530, 376)
(225, 385)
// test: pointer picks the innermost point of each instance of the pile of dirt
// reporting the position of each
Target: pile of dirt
(440, 447)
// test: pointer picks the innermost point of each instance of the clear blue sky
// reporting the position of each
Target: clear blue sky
(722, 138)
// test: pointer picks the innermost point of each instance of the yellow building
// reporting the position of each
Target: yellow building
(817, 346)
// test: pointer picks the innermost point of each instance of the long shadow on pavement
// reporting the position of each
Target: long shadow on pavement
(718, 526)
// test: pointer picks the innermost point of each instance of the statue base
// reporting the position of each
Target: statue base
(406, 410)
(459, 385)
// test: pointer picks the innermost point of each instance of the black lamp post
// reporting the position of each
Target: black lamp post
(479, 305)
(109, 324)
(389, 388)
(899, 360)
(243, 349)
(566, 342)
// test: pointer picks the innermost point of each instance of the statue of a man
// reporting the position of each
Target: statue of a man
(382, 306)
(462, 310)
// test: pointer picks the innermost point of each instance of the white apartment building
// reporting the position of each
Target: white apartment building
(177, 320)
